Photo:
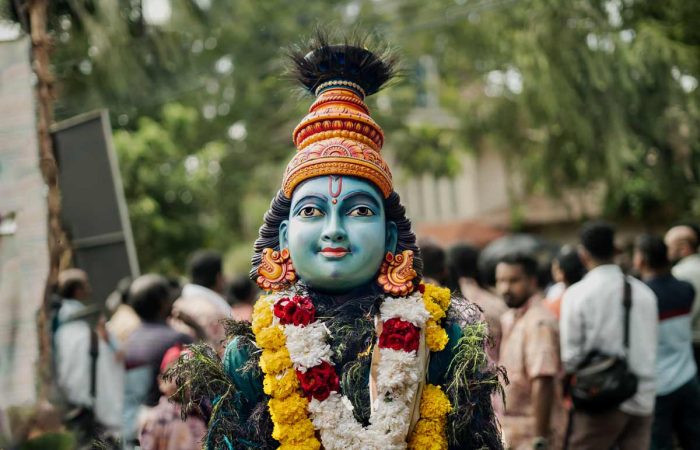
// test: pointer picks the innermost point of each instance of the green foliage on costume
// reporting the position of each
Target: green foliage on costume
(470, 385)
(201, 379)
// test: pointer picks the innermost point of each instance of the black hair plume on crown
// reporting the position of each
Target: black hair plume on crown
(318, 61)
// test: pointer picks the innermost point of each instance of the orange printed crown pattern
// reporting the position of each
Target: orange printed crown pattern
(338, 136)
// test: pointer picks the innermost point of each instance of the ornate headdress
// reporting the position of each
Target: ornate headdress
(338, 136)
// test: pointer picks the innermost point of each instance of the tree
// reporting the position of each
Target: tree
(574, 93)
(170, 184)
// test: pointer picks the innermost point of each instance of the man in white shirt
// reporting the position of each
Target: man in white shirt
(76, 347)
(682, 242)
(592, 319)
(201, 300)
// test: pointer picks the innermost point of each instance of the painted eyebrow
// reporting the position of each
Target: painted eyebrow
(362, 194)
(307, 197)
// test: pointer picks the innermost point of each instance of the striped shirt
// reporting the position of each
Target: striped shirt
(675, 364)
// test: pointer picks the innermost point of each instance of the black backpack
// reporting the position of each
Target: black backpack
(602, 382)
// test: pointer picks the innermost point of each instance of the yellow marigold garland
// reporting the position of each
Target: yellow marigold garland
(437, 301)
(282, 385)
(296, 433)
(288, 410)
(292, 427)
(436, 312)
(437, 294)
(262, 315)
(434, 404)
(435, 336)
(430, 431)
(275, 361)
(271, 338)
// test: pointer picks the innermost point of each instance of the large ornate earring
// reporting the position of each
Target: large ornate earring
(275, 271)
(396, 274)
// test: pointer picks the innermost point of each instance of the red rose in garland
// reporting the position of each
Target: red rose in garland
(319, 381)
(297, 310)
(398, 334)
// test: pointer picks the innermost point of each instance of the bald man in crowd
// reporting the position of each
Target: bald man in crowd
(682, 242)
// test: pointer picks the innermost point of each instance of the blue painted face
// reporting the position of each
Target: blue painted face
(337, 233)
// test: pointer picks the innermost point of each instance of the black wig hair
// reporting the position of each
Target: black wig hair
(268, 235)
(318, 61)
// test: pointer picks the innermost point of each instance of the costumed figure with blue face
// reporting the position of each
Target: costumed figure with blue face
(347, 348)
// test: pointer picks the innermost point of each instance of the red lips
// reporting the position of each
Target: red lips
(335, 252)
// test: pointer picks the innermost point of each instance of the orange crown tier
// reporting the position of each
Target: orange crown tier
(338, 137)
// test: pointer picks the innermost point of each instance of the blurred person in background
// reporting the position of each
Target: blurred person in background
(202, 299)
(242, 293)
(567, 269)
(152, 298)
(162, 427)
(124, 319)
(434, 263)
(88, 368)
(682, 242)
(592, 321)
(533, 413)
(677, 410)
(462, 262)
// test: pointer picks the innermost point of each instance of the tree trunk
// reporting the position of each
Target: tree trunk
(41, 48)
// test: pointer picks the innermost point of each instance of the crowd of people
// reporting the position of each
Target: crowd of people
(547, 332)
(110, 367)
(592, 315)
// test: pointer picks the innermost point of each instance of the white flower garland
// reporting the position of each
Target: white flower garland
(411, 309)
(307, 345)
(398, 377)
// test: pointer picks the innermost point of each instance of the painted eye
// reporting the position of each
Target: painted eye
(361, 211)
(310, 211)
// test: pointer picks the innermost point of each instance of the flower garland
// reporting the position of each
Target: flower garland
(304, 387)
(437, 301)
(292, 427)
(430, 431)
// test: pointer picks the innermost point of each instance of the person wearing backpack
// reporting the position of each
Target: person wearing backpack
(608, 344)
(89, 371)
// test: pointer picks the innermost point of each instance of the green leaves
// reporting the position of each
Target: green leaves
(168, 180)
(573, 93)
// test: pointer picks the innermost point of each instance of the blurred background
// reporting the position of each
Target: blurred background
(510, 115)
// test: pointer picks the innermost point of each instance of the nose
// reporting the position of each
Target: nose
(502, 288)
(334, 231)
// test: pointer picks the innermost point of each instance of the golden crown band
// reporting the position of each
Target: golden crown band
(337, 83)
(337, 165)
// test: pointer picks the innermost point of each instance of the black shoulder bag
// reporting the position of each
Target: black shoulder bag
(602, 382)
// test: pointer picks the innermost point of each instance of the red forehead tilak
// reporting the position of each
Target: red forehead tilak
(335, 187)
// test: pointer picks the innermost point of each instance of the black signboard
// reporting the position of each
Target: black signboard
(94, 211)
